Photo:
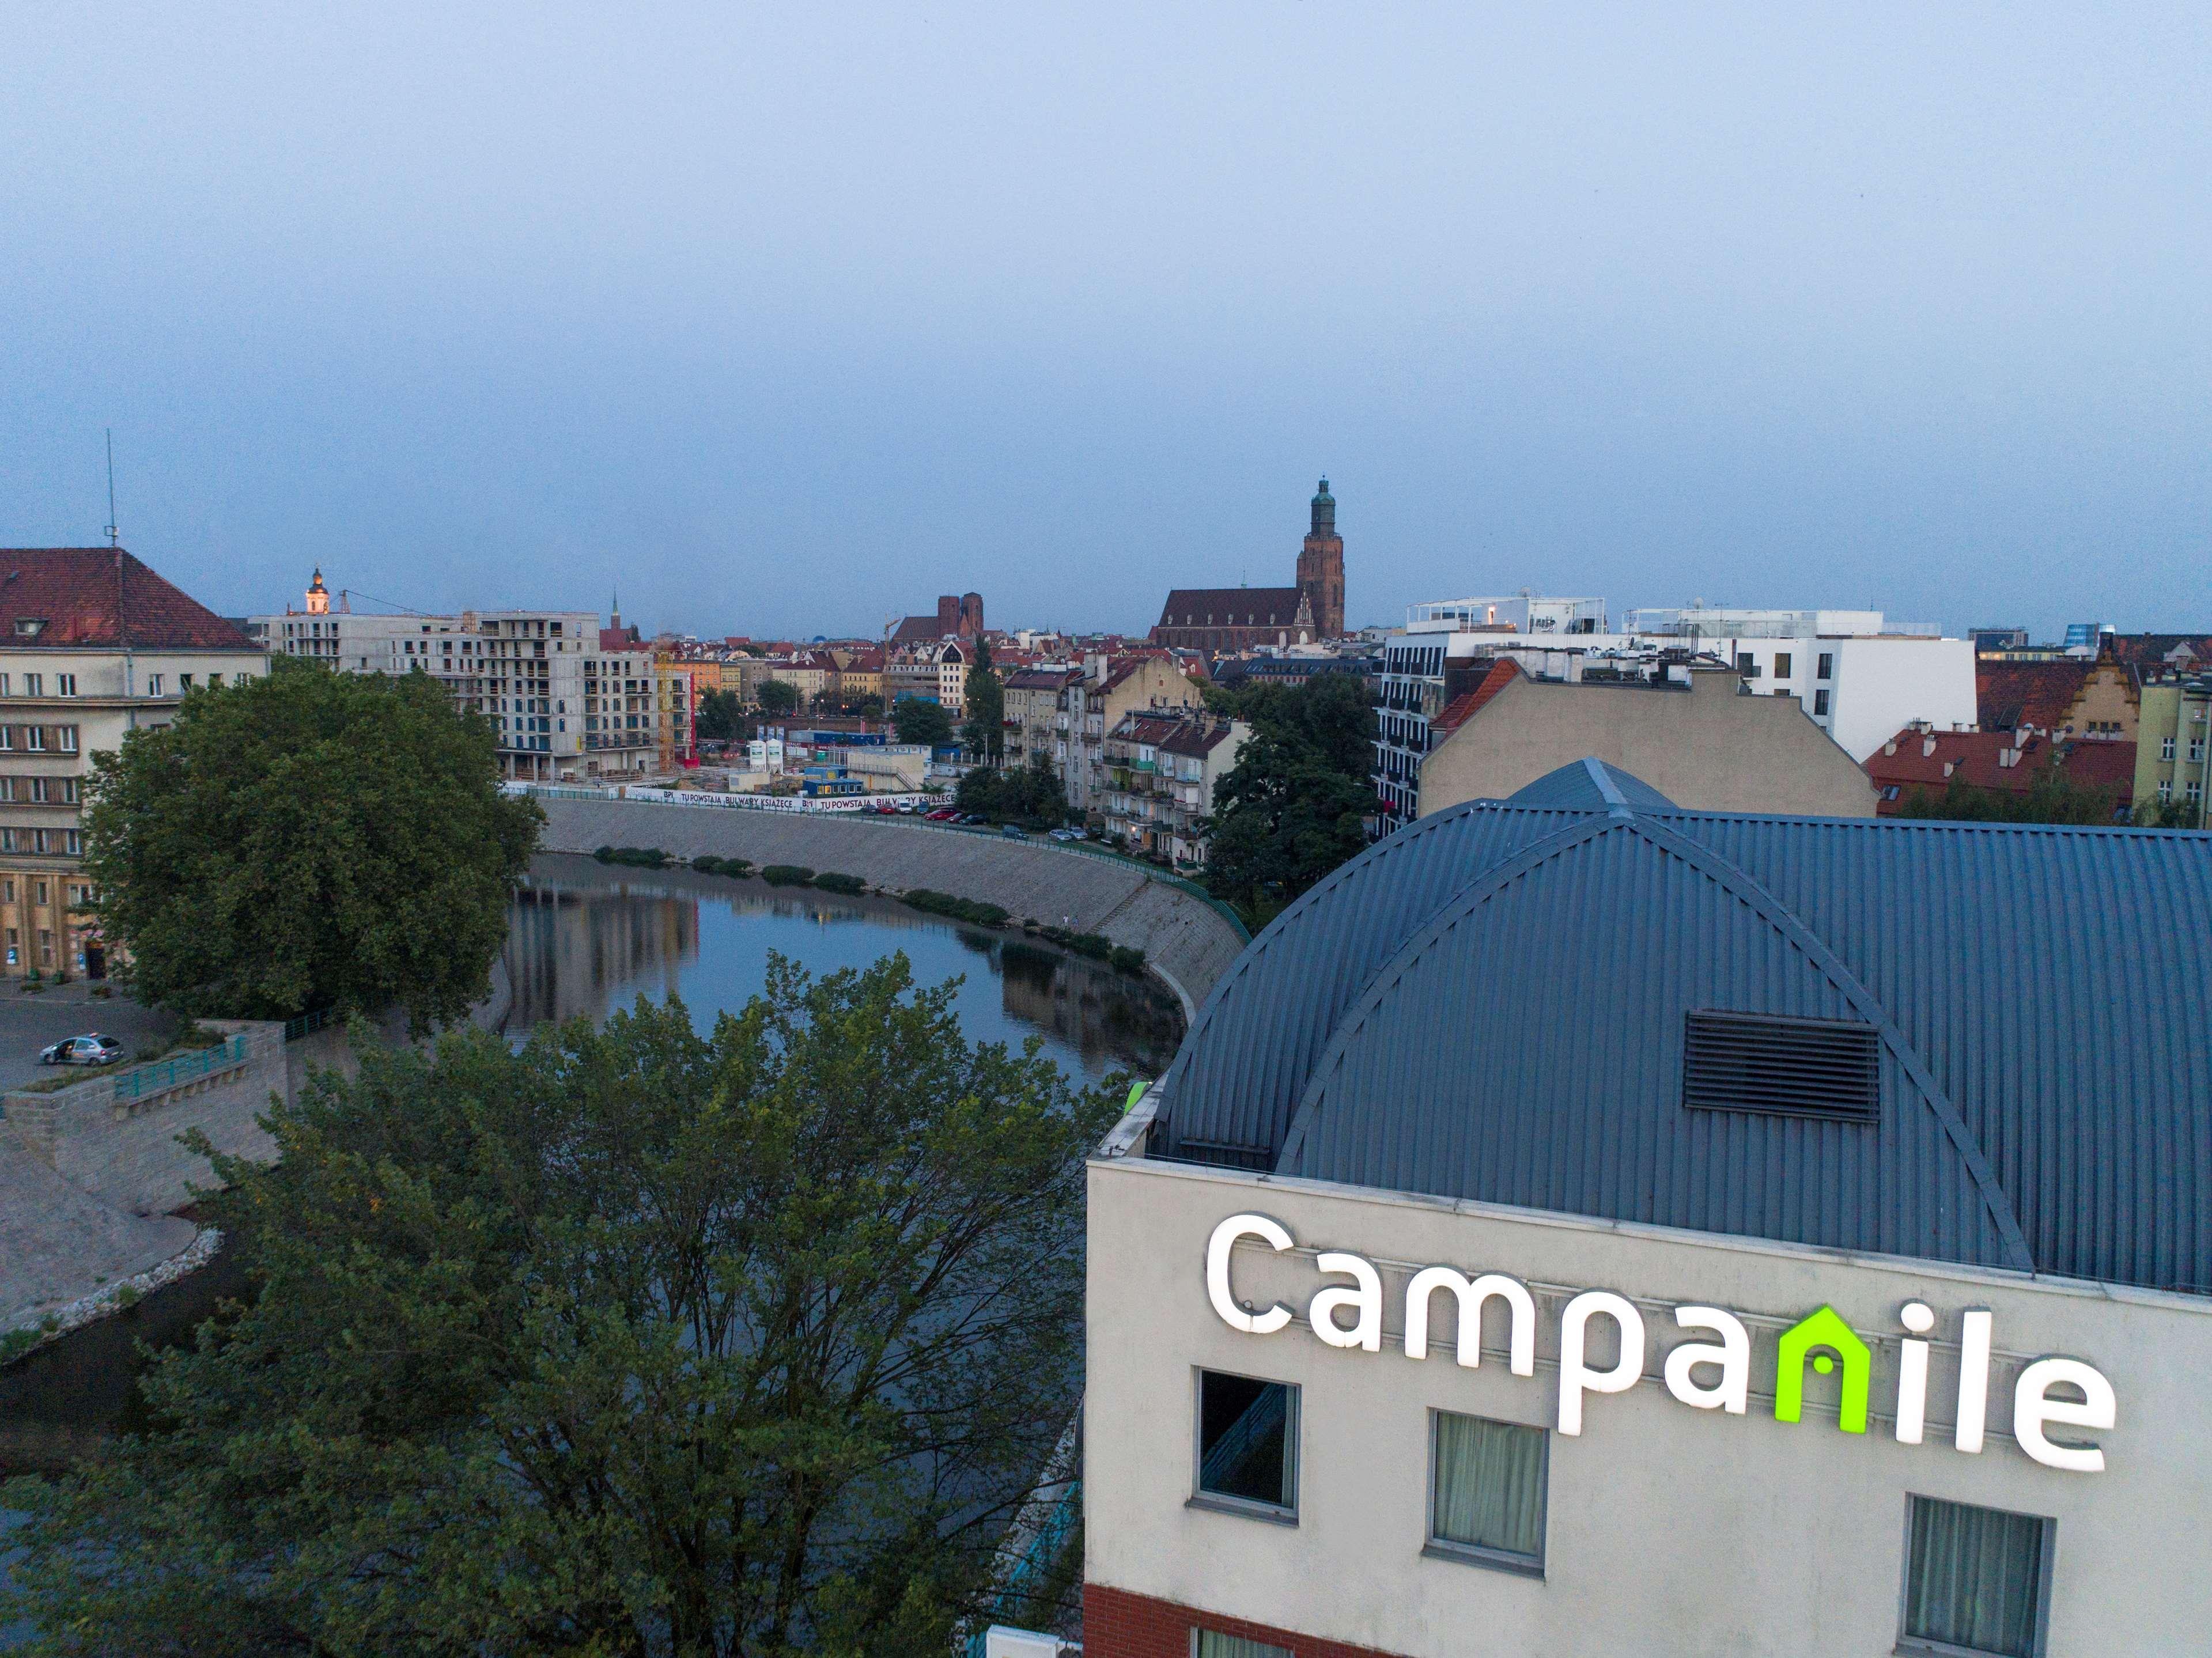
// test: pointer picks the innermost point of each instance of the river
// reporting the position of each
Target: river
(587, 939)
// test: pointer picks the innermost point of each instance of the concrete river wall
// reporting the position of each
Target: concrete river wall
(1187, 941)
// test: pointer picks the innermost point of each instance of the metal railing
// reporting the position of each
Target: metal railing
(306, 1022)
(1030, 1569)
(136, 1085)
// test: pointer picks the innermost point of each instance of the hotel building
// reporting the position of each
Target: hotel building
(1586, 1229)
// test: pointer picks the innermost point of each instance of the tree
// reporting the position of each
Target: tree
(1029, 795)
(632, 1342)
(2052, 797)
(914, 720)
(308, 839)
(776, 697)
(984, 734)
(722, 718)
(1293, 807)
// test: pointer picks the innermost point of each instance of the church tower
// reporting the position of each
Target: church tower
(318, 596)
(1320, 566)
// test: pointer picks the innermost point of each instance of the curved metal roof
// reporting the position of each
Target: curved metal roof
(1490, 1004)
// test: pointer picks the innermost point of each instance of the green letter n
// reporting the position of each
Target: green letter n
(1825, 1328)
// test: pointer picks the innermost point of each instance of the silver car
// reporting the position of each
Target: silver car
(91, 1049)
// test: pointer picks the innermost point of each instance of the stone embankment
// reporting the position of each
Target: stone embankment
(1189, 942)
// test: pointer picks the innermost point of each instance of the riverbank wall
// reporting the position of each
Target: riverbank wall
(1187, 941)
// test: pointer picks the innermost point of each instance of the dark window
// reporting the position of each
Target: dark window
(1820, 704)
(1782, 666)
(1976, 1580)
(1800, 1067)
(1827, 665)
(1486, 1491)
(1220, 1154)
(1248, 1438)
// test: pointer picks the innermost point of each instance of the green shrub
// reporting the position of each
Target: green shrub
(959, 909)
(1128, 959)
(735, 868)
(833, 882)
(16, 1344)
(128, 1296)
(787, 875)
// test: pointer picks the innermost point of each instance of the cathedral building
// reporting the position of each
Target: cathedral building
(1238, 618)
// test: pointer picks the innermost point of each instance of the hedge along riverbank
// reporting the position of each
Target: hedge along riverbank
(1186, 941)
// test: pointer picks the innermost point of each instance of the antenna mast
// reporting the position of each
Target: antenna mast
(113, 534)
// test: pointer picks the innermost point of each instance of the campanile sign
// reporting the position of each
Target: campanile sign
(1710, 1373)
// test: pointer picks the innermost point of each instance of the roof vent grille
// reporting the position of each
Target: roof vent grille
(1221, 1154)
(1790, 1067)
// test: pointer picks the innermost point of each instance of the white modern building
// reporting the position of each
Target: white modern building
(1581, 1229)
(565, 709)
(1861, 677)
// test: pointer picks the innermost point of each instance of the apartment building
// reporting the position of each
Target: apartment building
(563, 708)
(1110, 689)
(1162, 766)
(1588, 1227)
(1859, 678)
(1036, 721)
(94, 644)
(935, 671)
(2174, 748)
(676, 709)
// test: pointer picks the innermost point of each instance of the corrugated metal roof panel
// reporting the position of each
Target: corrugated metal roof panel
(1490, 1005)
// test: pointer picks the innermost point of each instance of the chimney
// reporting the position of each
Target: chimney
(1927, 747)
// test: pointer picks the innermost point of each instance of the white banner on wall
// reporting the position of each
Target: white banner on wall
(847, 803)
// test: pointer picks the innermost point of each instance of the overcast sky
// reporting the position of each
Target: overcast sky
(788, 318)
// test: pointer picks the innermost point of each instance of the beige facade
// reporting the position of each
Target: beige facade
(1668, 1530)
(1707, 745)
(1095, 705)
(95, 645)
(2173, 750)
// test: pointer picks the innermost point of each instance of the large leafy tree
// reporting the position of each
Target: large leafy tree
(777, 697)
(631, 1342)
(1028, 794)
(722, 718)
(914, 720)
(308, 839)
(1293, 806)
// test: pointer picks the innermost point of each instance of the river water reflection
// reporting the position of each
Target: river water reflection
(586, 937)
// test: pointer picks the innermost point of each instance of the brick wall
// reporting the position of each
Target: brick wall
(1119, 1625)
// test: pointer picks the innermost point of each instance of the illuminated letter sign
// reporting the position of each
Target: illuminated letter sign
(1706, 1376)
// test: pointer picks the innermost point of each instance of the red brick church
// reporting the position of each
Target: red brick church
(1238, 618)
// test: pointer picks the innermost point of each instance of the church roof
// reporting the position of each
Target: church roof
(1499, 1003)
(1232, 607)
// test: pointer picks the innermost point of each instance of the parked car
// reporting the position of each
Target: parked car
(943, 815)
(1065, 835)
(1012, 831)
(974, 819)
(90, 1049)
(905, 809)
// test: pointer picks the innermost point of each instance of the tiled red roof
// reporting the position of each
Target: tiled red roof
(1931, 760)
(80, 596)
(2008, 695)
(2100, 762)
(2153, 651)
(1463, 707)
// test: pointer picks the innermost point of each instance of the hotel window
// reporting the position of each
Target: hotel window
(1248, 1444)
(34, 684)
(1820, 705)
(1977, 1581)
(1212, 1643)
(1781, 664)
(1487, 1492)
(65, 684)
(1827, 665)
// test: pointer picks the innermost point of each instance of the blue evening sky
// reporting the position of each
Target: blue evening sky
(786, 319)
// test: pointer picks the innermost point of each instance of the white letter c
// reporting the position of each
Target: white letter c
(1216, 1273)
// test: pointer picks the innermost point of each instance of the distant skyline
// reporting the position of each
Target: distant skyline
(786, 320)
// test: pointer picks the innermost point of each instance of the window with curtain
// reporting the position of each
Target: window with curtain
(1487, 1490)
(1211, 1643)
(1247, 1433)
(1974, 1579)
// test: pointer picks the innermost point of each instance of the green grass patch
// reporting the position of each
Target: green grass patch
(835, 882)
(736, 868)
(787, 875)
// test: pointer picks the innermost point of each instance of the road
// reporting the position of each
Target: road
(29, 1022)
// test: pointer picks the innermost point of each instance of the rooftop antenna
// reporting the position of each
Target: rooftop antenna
(113, 534)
